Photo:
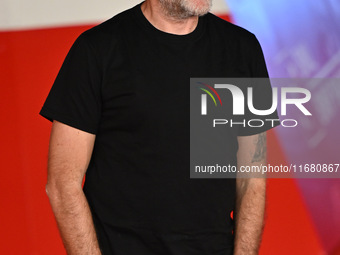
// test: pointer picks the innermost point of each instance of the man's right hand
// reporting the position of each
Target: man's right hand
(70, 152)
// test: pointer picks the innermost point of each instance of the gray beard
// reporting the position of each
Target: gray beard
(182, 9)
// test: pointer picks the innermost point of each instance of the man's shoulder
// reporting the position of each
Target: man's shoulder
(227, 29)
(111, 29)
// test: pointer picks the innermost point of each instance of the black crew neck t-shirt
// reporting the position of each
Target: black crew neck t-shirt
(128, 83)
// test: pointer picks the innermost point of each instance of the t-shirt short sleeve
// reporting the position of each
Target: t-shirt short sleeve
(262, 95)
(75, 97)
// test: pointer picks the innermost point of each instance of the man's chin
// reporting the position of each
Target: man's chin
(197, 7)
(183, 9)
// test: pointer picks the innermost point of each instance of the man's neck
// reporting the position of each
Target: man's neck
(155, 14)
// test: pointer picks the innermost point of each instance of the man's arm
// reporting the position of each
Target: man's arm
(69, 155)
(250, 196)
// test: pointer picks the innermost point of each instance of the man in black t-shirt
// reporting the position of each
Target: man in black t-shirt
(120, 114)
